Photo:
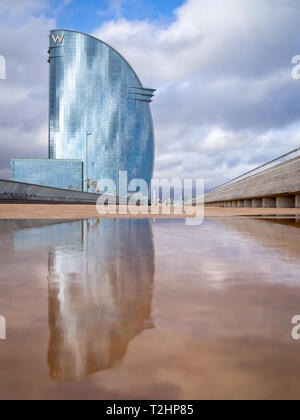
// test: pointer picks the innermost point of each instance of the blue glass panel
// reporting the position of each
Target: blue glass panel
(66, 174)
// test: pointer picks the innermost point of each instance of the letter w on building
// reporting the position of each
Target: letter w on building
(57, 38)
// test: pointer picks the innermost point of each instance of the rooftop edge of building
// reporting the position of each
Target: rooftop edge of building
(109, 46)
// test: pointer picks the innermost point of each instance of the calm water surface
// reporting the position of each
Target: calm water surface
(124, 309)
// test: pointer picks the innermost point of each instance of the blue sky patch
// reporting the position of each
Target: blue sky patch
(86, 16)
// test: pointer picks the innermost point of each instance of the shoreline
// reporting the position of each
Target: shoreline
(78, 212)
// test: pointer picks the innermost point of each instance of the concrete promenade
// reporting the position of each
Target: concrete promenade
(276, 187)
(75, 212)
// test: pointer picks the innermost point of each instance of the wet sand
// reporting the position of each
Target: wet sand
(61, 211)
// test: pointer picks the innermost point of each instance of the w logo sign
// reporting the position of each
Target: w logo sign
(57, 38)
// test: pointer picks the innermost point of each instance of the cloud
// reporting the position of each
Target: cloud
(116, 7)
(24, 93)
(226, 101)
(223, 75)
(214, 37)
(17, 8)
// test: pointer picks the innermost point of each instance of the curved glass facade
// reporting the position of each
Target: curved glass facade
(93, 89)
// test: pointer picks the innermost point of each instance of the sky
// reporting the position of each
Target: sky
(226, 101)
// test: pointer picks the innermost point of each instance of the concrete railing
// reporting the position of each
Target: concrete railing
(283, 158)
(278, 186)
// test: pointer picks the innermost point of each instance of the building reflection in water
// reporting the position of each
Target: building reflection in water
(100, 294)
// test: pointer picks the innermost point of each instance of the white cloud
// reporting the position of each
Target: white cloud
(10, 95)
(17, 8)
(24, 93)
(225, 102)
(209, 36)
(222, 70)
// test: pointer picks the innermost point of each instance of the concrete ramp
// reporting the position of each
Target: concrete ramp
(275, 187)
(18, 192)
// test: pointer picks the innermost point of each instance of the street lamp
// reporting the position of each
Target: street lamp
(87, 159)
